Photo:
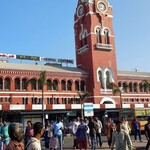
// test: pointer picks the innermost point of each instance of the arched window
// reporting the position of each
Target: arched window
(63, 85)
(130, 87)
(82, 86)
(1, 84)
(40, 85)
(69, 85)
(33, 84)
(34, 100)
(108, 77)
(55, 85)
(101, 79)
(17, 84)
(98, 33)
(119, 84)
(85, 37)
(106, 33)
(125, 87)
(81, 41)
(77, 85)
(7, 84)
(70, 101)
(56, 101)
(49, 85)
(135, 87)
(141, 87)
(64, 101)
(24, 84)
(24, 100)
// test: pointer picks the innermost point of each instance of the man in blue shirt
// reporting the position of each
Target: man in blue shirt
(58, 127)
(5, 134)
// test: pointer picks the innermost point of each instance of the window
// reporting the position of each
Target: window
(98, 33)
(106, 33)
(70, 101)
(17, 84)
(1, 84)
(69, 85)
(82, 86)
(55, 85)
(33, 84)
(64, 101)
(34, 100)
(7, 84)
(77, 85)
(1, 99)
(63, 85)
(24, 84)
(56, 101)
(7, 99)
(24, 100)
(101, 79)
(49, 100)
(130, 87)
(49, 85)
(141, 87)
(135, 87)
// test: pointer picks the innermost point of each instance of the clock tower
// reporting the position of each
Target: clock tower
(95, 45)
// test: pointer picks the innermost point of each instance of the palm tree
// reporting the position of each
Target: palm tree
(41, 82)
(82, 97)
(118, 90)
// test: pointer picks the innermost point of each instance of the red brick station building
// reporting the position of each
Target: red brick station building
(95, 67)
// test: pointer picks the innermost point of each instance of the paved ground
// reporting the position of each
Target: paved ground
(68, 143)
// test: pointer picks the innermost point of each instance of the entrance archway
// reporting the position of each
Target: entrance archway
(107, 100)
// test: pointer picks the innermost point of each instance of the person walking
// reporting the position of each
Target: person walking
(92, 127)
(120, 138)
(34, 143)
(5, 134)
(137, 129)
(81, 135)
(147, 133)
(28, 131)
(58, 127)
(75, 125)
(125, 125)
(109, 129)
(98, 131)
(16, 134)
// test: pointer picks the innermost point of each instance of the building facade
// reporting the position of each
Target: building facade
(96, 67)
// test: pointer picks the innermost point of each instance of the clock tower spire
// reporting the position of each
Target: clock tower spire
(95, 45)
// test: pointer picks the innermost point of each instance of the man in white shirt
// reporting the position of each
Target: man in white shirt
(35, 143)
(75, 125)
(120, 138)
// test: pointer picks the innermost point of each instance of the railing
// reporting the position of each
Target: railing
(104, 47)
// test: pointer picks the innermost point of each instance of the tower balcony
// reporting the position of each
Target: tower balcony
(104, 47)
(83, 49)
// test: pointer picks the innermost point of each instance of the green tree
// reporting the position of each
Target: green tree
(118, 90)
(82, 98)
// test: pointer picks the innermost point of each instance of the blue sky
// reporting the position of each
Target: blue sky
(45, 28)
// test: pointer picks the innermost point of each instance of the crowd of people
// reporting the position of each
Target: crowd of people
(86, 132)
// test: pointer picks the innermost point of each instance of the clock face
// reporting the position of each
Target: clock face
(101, 6)
(80, 11)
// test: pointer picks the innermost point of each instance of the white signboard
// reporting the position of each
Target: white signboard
(88, 109)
